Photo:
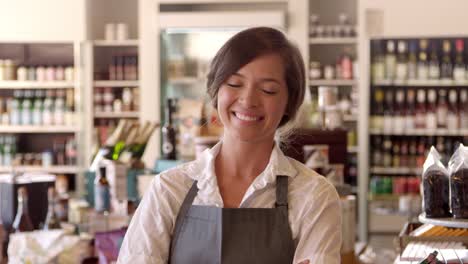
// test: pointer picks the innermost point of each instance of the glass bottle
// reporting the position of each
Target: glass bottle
(446, 66)
(48, 109)
(377, 159)
(442, 109)
(462, 109)
(387, 152)
(390, 61)
(423, 65)
(399, 112)
(59, 108)
(452, 114)
(26, 108)
(412, 60)
(420, 117)
(404, 152)
(402, 61)
(377, 110)
(396, 153)
(378, 61)
(410, 109)
(459, 68)
(168, 133)
(388, 118)
(102, 192)
(434, 67)
(15, 113)
(431, 113)
(51, 221)
(38, 108)
(22, 222)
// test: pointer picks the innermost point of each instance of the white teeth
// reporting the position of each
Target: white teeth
(246, 118)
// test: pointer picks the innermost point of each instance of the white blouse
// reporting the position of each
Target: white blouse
(314, 208)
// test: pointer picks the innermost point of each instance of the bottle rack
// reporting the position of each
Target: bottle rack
(326, 44)
(39, 68)
(113, 81)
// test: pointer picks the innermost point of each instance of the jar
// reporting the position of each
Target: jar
(121, 31)
(59, 73)
(41, 74)
(9, 70)
(333, 118)
(327, 96)
(22, 73)
(69, 74)
(46, 158)
(31, 73)
(315, 71)
(2, 70)
(329, 72)
(50, 73)
(109, 33)
(117, 105)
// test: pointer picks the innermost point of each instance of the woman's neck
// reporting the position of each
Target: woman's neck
(243, 160)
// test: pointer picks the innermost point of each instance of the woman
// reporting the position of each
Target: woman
(243, 201)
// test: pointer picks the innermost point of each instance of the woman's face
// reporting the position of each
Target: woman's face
(253, 100)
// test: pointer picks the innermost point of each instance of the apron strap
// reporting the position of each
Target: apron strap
(281, 191)
(182, 213)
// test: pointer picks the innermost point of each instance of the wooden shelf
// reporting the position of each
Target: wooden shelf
(448, 222)
(116, 114)
(51, 169)
(24, 129)
(420, 83)
(36, 85)
(396, 170)
(422, 132)
(116, 43)
(186, 81)
(332, 41)
(106, 83)
(332, 82)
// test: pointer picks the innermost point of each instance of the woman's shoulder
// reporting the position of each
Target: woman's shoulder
(308, 181)
(176, 180)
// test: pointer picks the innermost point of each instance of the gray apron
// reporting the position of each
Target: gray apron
(209, 235)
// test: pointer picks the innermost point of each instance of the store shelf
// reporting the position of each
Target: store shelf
(36, 85)
(116, 43)
(350, 118)
(116, 83)
(326, 41)
(332, 82)
(448, 222)
(51, 169)
(383, 197)
(421, 132)
(116, 115)
(173, 2)
(395, 170)
(420, 83)
(186, 81)
(24, 129)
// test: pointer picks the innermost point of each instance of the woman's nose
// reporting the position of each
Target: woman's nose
(249, 97)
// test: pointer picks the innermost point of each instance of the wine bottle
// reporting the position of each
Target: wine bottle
(22, 222)
(135, 148)
(168, 131)
(52, 221)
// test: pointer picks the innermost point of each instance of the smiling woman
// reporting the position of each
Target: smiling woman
(243, 201)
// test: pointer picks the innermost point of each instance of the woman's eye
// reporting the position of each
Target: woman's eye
(235, 85)
(269, 92)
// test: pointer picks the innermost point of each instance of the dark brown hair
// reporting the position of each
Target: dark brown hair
(249, 44)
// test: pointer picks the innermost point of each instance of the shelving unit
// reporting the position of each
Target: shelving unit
(396, 170)
(35, 85)
(422, 132)
(50, 169)
(115, 84)
(321, 41)
(116, 115)
(23, 129)
(332, 82)
(116, 43)
(419, 83)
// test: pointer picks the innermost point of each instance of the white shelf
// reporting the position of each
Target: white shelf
(421, 83)
(422, 132)
(116, 83)
(116, 114)
(116, 43)
(51, 169)
(332, 82)
(448, 222)
(350, 118)
(36, 85)
(325, 41)
(352, 149)
(395, 170)
(25, 129)
(186, 81)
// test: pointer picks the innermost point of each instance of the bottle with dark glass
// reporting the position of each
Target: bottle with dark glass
(413, 152)
(389, 117)
(410, 109)
(423, 65)
(387, 152)
(459, 69)
(452, 114)
(377, 110)
(377, 151)
(446, 66)
(378, 61)
(22, 222)
(421, 155)
(420, 117)
(434, 65)
(404, 152)
(412, 60)
(396, 153)
(52, 221)
(431, 113)
(169, 133)
(390, 61)
(442, 109)
(399, 111)
(462, 109)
